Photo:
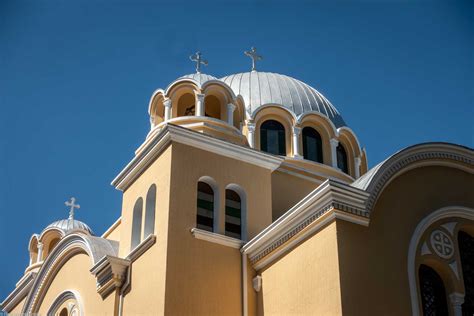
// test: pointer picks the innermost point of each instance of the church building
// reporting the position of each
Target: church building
(250, 196)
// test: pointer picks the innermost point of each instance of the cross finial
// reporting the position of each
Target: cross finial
(72, 206)
(197, 58)
(252, 53)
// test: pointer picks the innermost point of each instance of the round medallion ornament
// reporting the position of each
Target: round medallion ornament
(442, 244)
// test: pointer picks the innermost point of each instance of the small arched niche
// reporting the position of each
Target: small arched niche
(186, 105)
(213, 106)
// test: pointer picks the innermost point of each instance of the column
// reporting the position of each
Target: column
(230, 113)
(457, 299)
(357, 167)
(40, 252)
(200, 107)
(167, 104)
(334, 143)
(296, 141)
(251, 134)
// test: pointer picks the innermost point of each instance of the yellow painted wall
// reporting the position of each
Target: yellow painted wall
(373, 260)
(75, 275)
(204, 278)
(306, 280)
(287, 190)
(146, 295)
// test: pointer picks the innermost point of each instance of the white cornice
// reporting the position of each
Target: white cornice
(329, 201)
(141, 248)
(171, 133)
(22, 288)
(216, 238)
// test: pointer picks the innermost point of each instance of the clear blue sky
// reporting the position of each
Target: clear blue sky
(76, 78)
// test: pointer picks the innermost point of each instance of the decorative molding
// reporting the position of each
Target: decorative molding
(110, 273)
(375, 181)
(331, 200)
(257, 283)
(425, 250)
(450, 227)
(64, 296)
(423, 225)
(21, 290)
(216, 238)
(442, 244)
(141, 248)
(454, 266)
(171, 133)
(68, 246)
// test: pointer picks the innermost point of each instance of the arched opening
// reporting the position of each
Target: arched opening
(312, 145)
(150, 211)
(186, 105)
(342, 162)
(433, 293)
(34, 250)
(63, 312)
(466, 250)
(205, 207)
(212, 106)
(137, 223)
(233, 214)
(272, 138)
(53, 244)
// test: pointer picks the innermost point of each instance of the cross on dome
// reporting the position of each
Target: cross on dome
(72, 206)
(197, 58)
(252, 53)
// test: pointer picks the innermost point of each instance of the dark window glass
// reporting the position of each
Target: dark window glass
(312, 145)
(466, 248)
(433, 294)
(137, 223)
(150, 211)
(205, 207)
(272, 138)
(342, 159)
(233, 214)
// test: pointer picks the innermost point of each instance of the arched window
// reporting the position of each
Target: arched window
(213, 107)
(137, 223)
(342, 159)
(433, 294)
(150, 211)
(272, 138)
(63, 312)
(233, 214)
(312, 145)
(186, 105)
(205, 207)
(466, 249)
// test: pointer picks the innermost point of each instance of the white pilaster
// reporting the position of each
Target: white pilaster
(334, 143)
(251, 134)
(40, 252)
(200, 106)
(357, 167)
(230, 113)
(296, 131)
(457, 299)
(167, 103)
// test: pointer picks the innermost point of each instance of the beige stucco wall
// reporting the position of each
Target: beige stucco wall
(373, 260)
(75, 275)
(204, 278)
(306, 280)
(148, 272)
(287, 190)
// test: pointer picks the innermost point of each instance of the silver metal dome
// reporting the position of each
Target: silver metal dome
(200, 78)
(70, 225)
(264, 88)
